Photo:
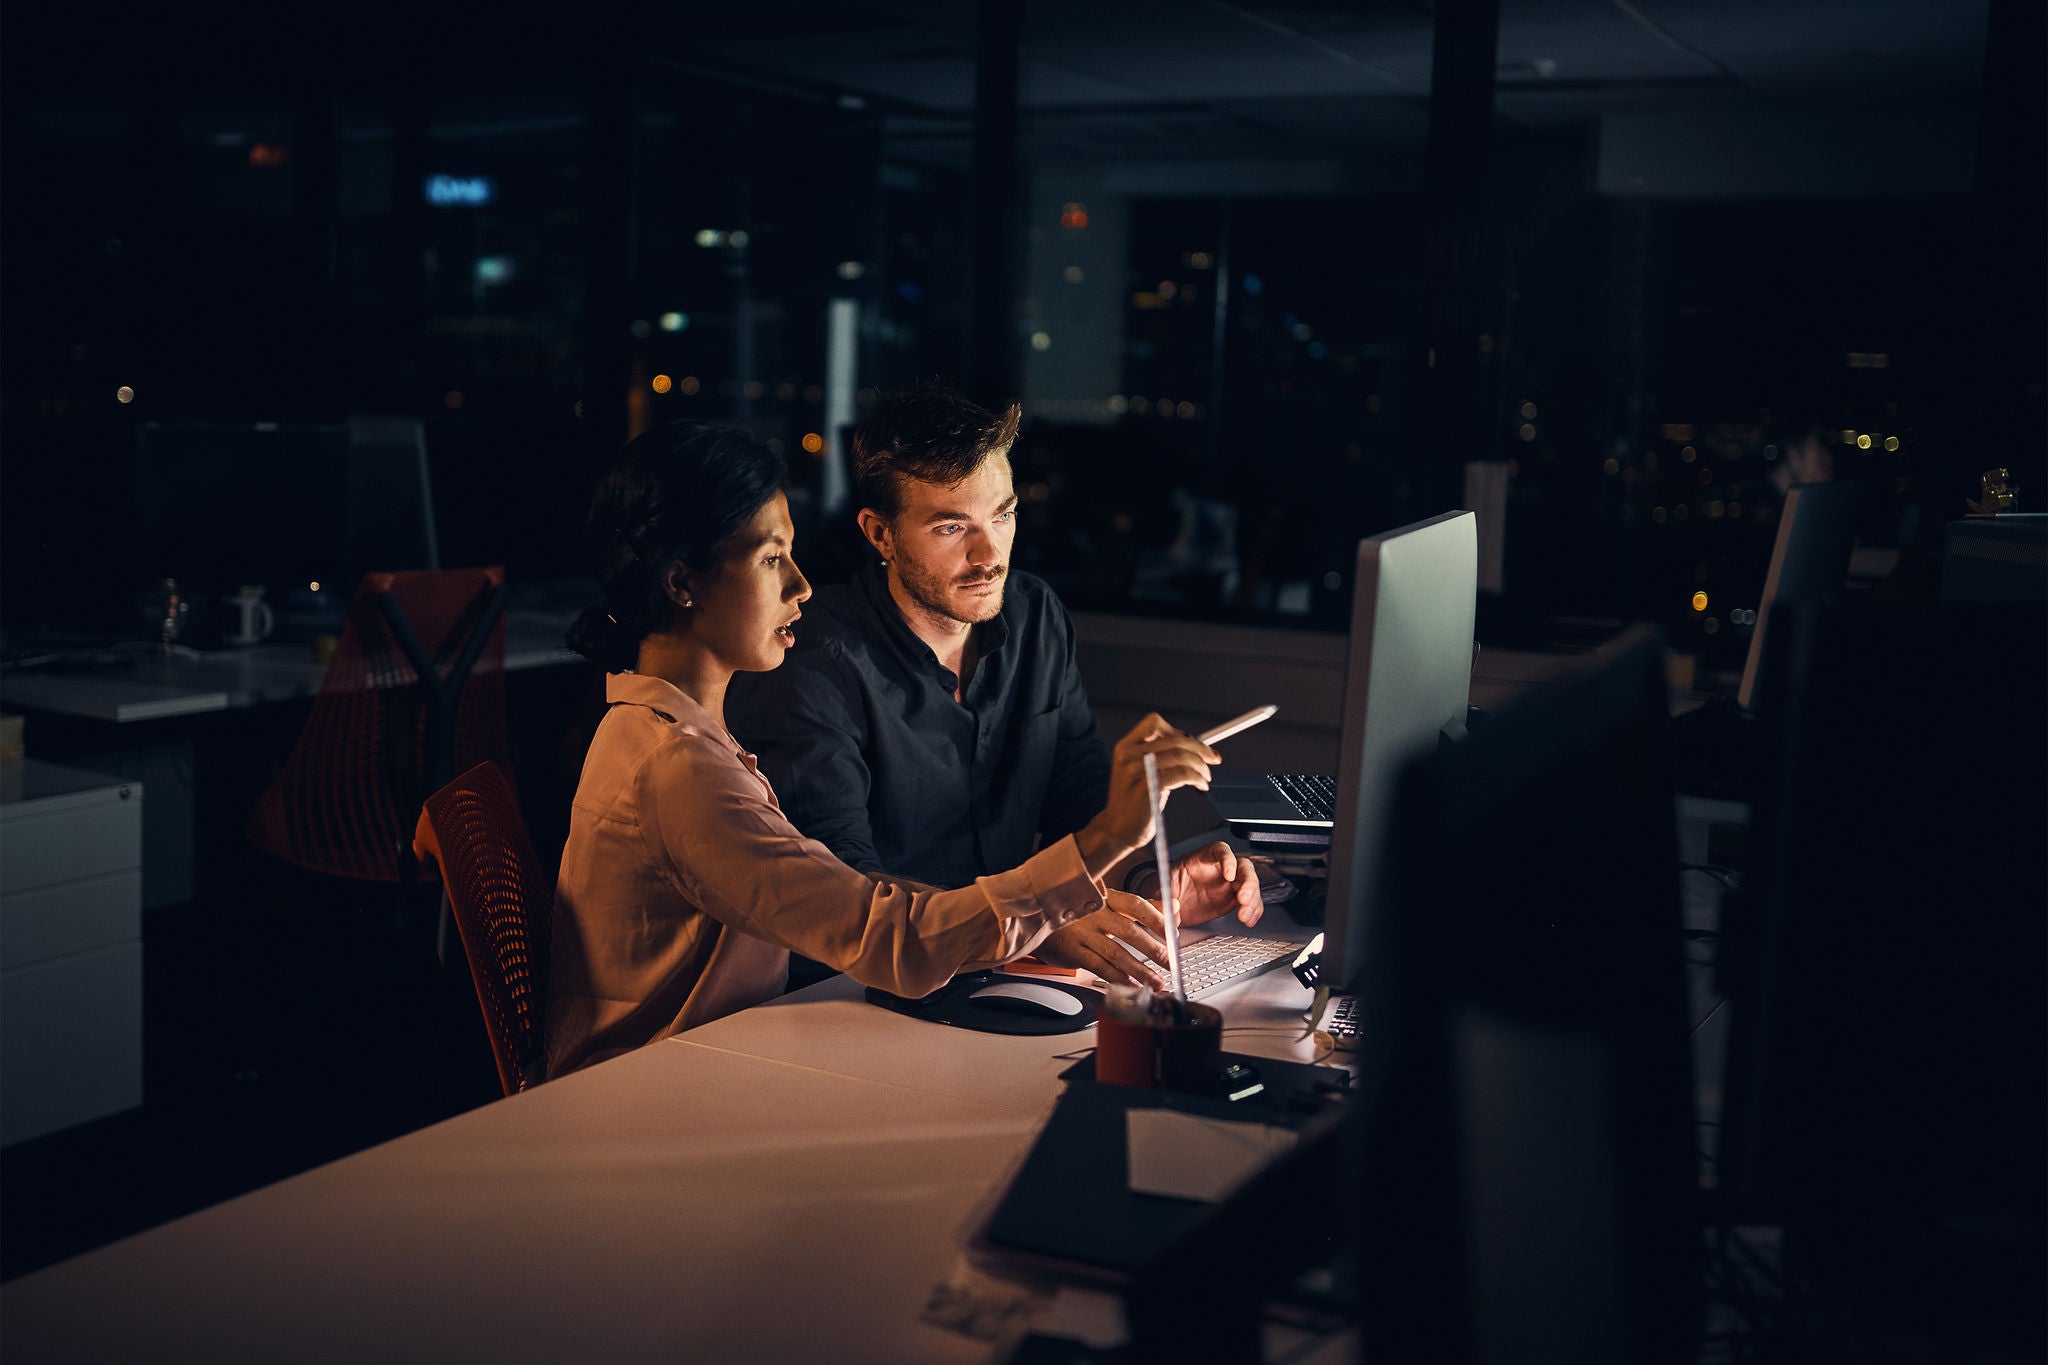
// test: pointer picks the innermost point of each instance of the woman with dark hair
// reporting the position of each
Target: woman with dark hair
(683, 888)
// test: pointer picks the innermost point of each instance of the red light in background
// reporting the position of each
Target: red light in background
(267, 156)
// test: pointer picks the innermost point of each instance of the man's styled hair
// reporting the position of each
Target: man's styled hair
(928, 433)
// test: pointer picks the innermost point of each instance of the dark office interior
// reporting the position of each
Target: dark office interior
(292, 297)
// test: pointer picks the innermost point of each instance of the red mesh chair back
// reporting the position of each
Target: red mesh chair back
(415, 694)
(502, 901)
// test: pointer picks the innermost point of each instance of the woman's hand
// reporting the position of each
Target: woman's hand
(1126, 822)
(1104, 942)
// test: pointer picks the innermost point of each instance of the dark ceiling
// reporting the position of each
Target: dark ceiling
(1169, 78)
(1102, 81)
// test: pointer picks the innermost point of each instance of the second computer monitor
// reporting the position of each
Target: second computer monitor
(1405, 689)
(225, 504)
(1809, 559)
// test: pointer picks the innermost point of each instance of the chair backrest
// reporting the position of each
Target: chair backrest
(415, 694)
(501, 900)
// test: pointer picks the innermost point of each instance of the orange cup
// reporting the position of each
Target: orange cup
(1160, 1054)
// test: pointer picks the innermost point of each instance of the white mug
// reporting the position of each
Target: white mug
(250, 619)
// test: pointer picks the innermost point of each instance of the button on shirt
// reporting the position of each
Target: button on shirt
(683, 890)
(861, 734)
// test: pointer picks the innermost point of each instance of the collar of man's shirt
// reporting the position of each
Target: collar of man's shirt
(989, 637)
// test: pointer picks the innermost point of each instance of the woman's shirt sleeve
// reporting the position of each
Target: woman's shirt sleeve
(715, 830)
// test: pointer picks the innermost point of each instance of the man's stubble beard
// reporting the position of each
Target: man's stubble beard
(934, 593)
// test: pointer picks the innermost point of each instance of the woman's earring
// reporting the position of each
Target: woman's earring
(686, 601)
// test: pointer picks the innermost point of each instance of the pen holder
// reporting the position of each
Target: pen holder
(1145, 1040)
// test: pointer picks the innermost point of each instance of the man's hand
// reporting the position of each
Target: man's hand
(1126, 821)
(1212, 883)
(1092, 942)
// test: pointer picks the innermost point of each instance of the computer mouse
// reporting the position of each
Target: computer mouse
(1026, 997)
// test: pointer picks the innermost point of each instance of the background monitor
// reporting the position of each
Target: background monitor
(1809, 559)
(223, 504)
(390, 495)
(1406, 686)
(515, 491)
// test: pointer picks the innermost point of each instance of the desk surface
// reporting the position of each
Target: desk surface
(784, 1184)
(156, 686)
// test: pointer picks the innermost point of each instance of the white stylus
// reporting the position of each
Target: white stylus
(1237, 725)
(1166, 909)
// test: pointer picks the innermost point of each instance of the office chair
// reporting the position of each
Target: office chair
(500, 899)
(415, 693)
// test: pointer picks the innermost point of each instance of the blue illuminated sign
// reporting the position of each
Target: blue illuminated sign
(461, 191)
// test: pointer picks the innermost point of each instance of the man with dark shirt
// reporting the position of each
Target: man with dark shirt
(931, 721)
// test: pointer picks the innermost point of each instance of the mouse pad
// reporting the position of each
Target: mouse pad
(951, 1004)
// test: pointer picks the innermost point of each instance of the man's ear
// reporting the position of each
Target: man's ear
(875, 527)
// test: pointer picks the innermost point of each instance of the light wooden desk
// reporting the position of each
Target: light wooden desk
(830, 1027)
(786, 1184)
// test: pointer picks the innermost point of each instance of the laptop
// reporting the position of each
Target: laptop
(1408, 674)
(1297, 801)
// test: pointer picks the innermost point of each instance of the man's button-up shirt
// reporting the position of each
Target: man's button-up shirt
(874, 757)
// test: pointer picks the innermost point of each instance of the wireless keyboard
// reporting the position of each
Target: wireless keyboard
(1342, 1021)
(1226, 959)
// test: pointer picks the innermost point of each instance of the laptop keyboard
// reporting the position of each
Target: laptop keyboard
(1313, 794)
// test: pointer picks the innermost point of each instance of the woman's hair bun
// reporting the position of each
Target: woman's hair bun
(598, 637)
(676, 492)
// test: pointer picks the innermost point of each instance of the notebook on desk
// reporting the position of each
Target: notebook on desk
(1070, 1211)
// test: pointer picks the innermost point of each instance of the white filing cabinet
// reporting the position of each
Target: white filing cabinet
(70, 947)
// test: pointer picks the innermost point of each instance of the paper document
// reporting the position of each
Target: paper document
(1185, 1157)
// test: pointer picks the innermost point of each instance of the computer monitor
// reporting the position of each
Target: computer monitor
(1809, 559)
(391, 496)
(514, 489)
(223, 504)
(1516, 1178)
(1406, 687)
